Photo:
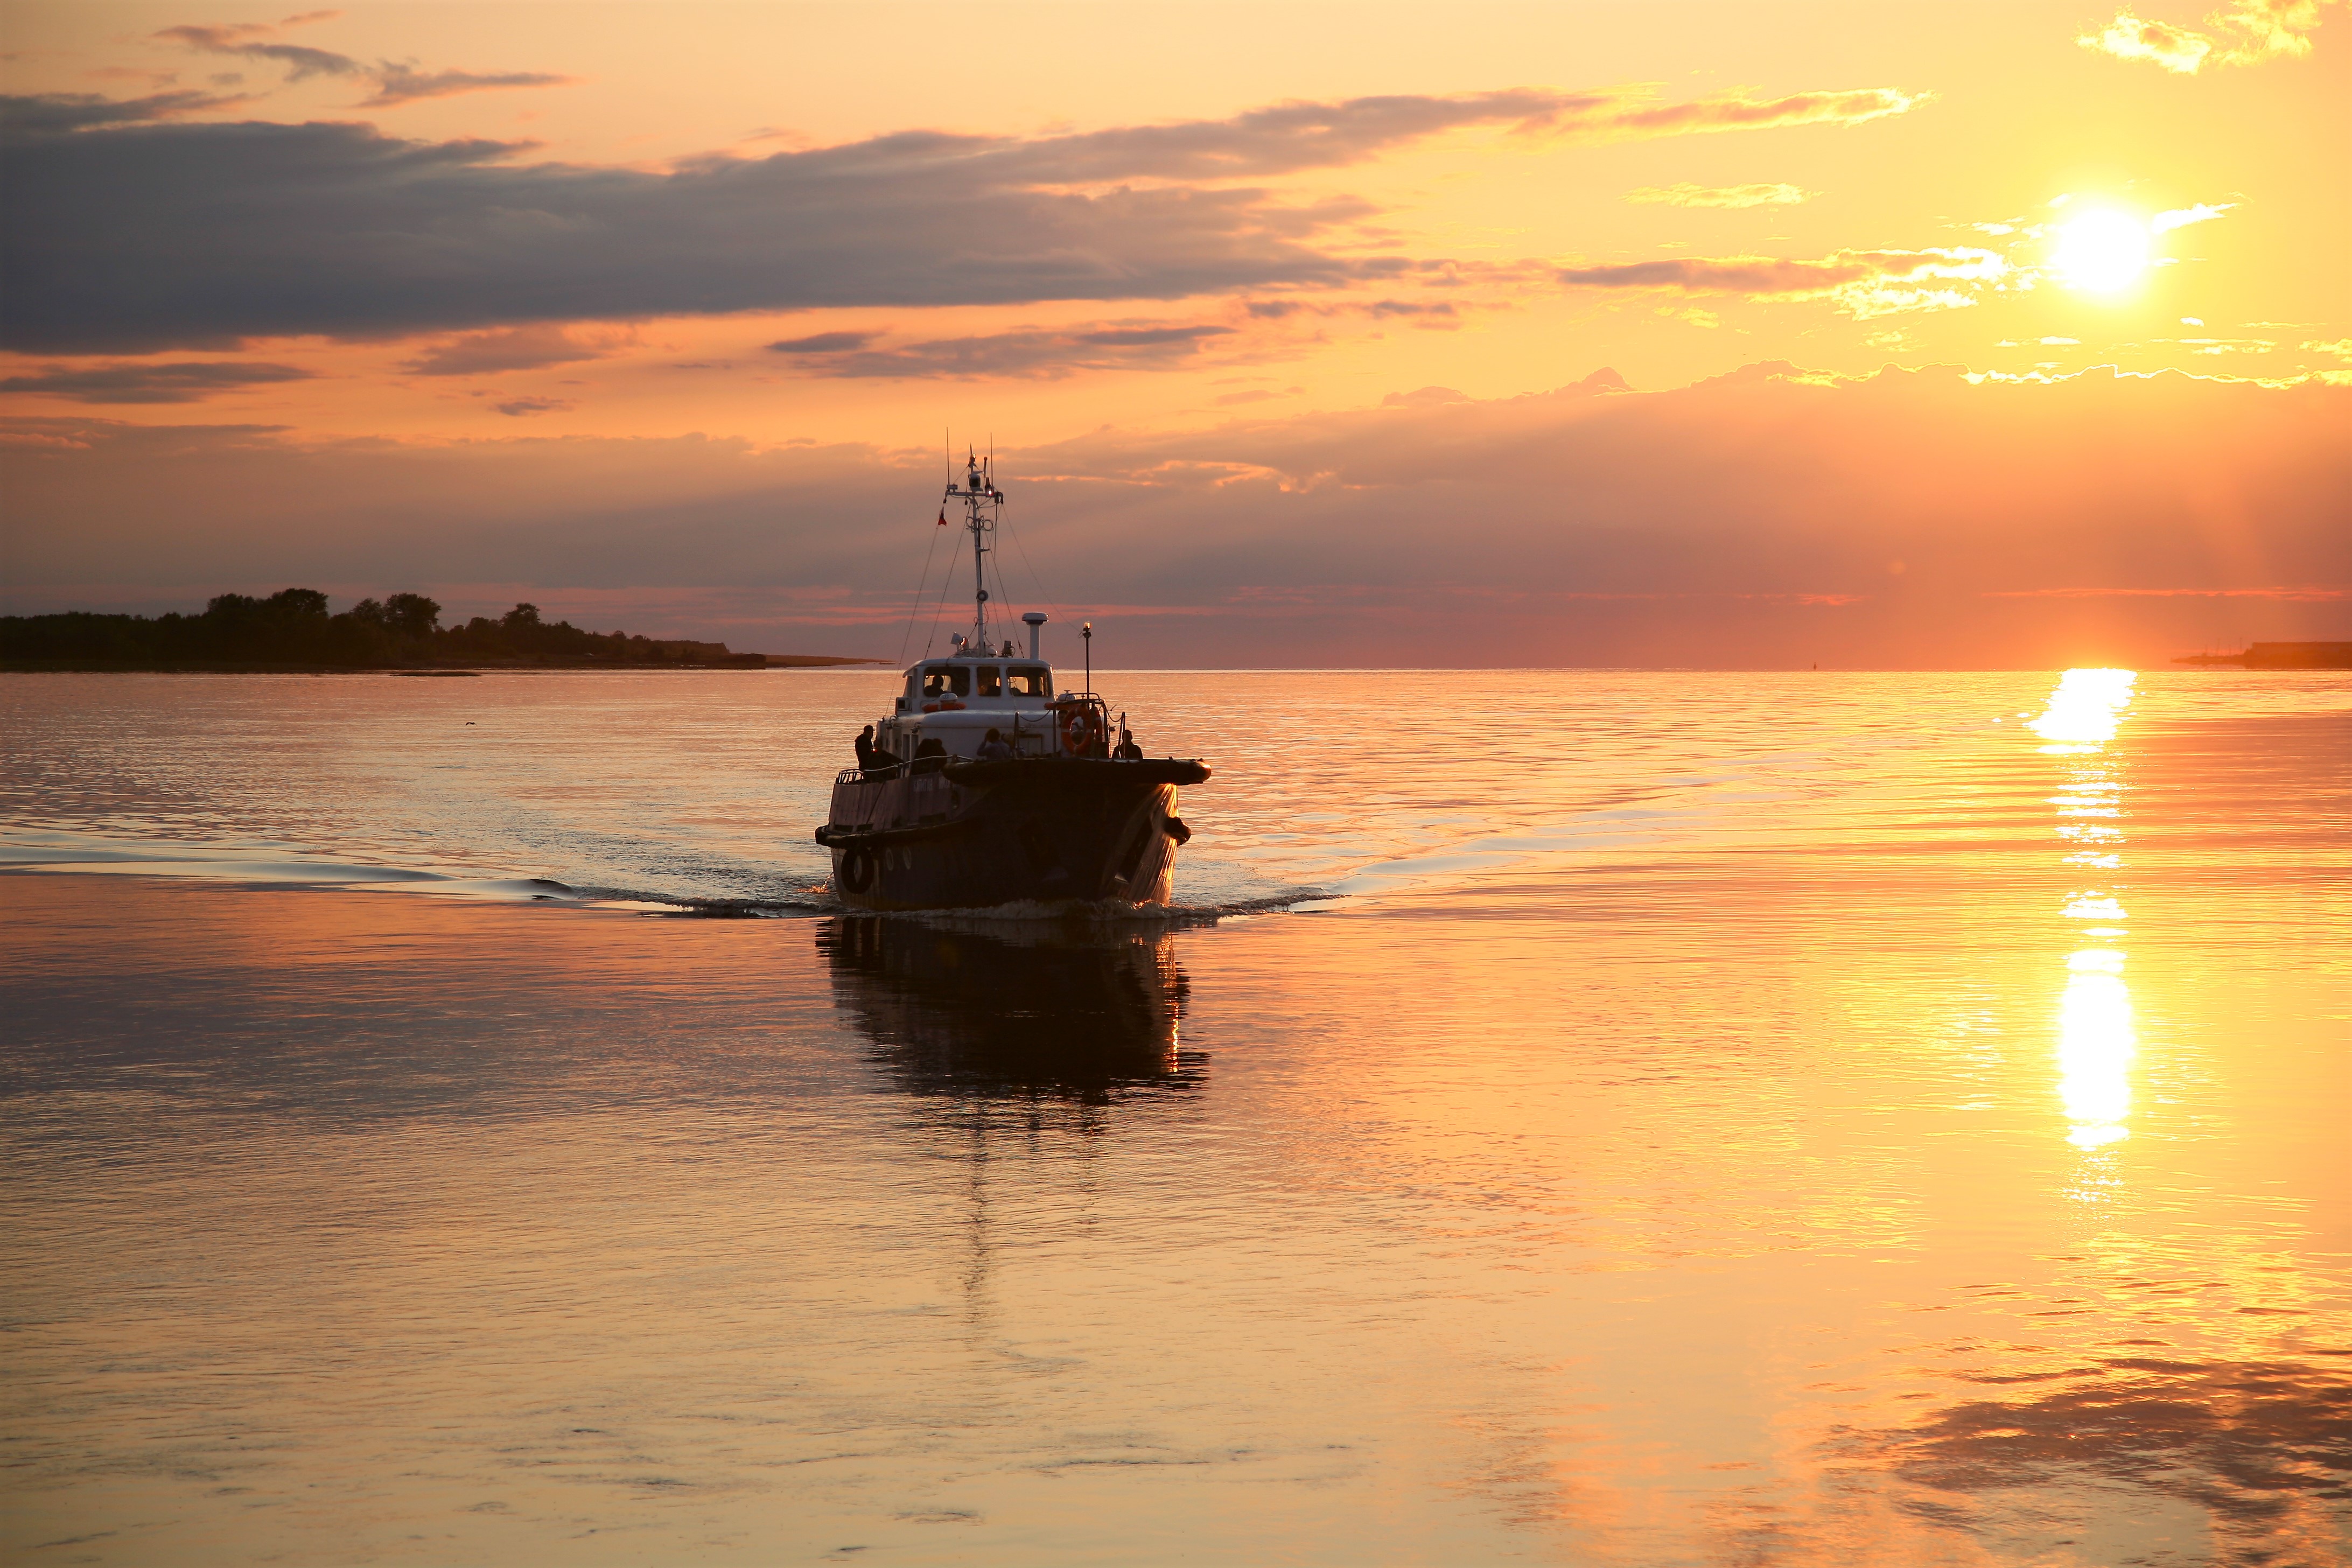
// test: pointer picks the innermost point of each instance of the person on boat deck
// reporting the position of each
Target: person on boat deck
(871, 758)
(931, 756)
(1128, 752)
(995, 750)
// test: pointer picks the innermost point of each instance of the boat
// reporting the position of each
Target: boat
(1049, 815)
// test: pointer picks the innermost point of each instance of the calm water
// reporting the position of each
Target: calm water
(1582, 1118)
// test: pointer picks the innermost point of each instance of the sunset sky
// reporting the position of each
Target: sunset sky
(1724, 334)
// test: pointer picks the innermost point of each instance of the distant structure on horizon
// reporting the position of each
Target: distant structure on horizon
(2282, 656)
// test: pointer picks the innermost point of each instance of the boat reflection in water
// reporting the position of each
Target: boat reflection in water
(1018, 1011)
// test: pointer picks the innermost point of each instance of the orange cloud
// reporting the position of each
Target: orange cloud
(2128, 37)
(1864, 283)
(2251, 31)
(1690, 196)
(1046, 354)
(519, 407)
(529, 347)
(397, 82)
(2181, 217)
(1286, 137)
(1731, 112)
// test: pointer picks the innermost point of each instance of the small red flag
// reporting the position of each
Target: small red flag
(943, 517)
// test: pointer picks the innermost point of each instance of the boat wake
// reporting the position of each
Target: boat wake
(1018, 912)
(36, 850)
(24, 849)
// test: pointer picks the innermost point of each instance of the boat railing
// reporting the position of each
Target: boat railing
(918, 766)
(896, 770)
(901, 769)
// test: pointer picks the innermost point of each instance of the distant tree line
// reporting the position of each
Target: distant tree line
(294, 628)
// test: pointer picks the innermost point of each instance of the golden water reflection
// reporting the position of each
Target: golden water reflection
(1715, 1206)
(2085, 707)
(2096, 1042)
(2095, 1047)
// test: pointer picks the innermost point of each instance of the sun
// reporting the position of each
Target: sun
(2102, 252)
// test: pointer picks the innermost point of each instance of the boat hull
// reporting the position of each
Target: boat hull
(974, 835)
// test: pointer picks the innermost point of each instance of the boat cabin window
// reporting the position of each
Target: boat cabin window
(947, 681)
(1029, 680)
(991, 681)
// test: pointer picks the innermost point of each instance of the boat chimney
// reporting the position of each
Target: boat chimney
(1035, 618)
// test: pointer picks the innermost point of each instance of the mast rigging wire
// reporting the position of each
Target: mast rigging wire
(916, 607)
(1003, 588)
(1036, 576)
(947, 581)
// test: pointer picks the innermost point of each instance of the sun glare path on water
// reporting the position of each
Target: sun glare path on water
(2085, 709)
(2097, 1044)
(2095, 1048)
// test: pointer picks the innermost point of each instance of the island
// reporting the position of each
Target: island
(293, 629)
(2282, 656)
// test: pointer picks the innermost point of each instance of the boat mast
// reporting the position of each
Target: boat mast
(981, 500)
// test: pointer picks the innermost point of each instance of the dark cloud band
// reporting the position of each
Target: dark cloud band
(204, 234)
(140, 237)
(1035, 354)
(30, 118)
(182, 381)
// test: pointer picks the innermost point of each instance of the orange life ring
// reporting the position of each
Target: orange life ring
(1080, 731)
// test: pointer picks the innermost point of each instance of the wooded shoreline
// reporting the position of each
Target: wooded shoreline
(292, 632)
